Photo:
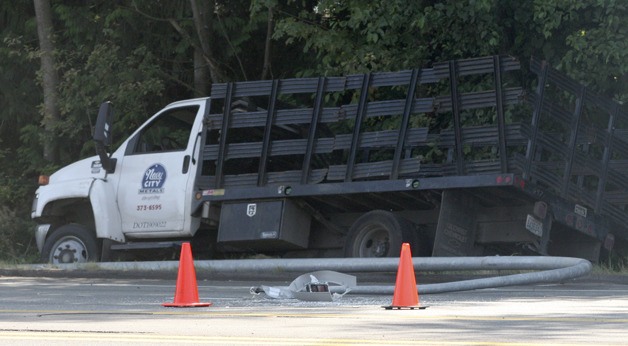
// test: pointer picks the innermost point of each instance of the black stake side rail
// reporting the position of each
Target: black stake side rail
(287, 132)
(578, 146)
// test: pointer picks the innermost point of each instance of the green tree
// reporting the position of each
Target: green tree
(358, 36)
(19, 100)
(586, 39)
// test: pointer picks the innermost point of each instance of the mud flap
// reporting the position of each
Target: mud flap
(455, 232)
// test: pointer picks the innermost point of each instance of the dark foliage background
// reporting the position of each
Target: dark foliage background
(141, 55)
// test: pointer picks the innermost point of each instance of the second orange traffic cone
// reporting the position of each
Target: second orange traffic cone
(406, 294)
(186, 293)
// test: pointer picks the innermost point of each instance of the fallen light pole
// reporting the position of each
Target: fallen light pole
(543, 269)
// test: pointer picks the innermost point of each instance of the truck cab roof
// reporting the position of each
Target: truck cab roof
(188, 101)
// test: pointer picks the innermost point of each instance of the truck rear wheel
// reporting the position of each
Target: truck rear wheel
(378, 233)
(71, 243)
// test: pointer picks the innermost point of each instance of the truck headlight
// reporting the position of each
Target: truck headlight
(34, 206)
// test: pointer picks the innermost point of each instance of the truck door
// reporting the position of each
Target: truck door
(156, 175)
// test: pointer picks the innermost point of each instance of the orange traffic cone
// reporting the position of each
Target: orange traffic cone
(406, 294)
(186, 294)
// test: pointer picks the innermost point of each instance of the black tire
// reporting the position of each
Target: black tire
(378, 233)
(71, 243)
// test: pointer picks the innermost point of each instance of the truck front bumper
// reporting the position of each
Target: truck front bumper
(40, 235)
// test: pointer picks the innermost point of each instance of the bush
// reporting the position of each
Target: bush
(17, 241)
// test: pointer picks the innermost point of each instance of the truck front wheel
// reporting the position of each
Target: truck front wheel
(71, 243)
(378, 233)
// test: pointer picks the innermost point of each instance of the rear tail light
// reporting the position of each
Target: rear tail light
(503, 179)
(516, 181)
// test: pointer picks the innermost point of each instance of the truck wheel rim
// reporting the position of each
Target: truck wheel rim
(69, 250)
(374, 242)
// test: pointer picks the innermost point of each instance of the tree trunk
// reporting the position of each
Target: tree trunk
(267, 46)
(202, 77)
(50, 78)
(205, 71)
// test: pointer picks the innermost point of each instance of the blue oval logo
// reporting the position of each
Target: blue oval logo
(154, 177)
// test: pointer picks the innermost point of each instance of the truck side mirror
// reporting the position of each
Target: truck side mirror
(102, 136)
(102, 131)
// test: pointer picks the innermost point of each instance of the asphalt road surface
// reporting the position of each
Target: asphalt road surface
(97, 311)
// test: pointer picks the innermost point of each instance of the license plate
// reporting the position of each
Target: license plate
(534, 226)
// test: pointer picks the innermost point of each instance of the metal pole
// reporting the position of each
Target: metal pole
(549, 269)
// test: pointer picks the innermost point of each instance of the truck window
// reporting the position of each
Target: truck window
(169, 132)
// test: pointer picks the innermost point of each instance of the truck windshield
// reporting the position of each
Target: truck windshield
(169, 132)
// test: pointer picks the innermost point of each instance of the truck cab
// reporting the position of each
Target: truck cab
(141, 190)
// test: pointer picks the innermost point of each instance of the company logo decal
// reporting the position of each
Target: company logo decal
(251, 210)
(154, 179)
